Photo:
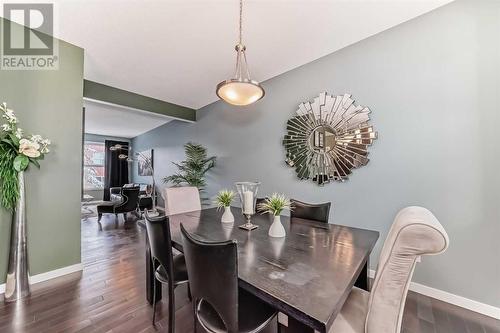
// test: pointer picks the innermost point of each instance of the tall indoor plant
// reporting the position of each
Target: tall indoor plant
(17, 152)
(193, 169)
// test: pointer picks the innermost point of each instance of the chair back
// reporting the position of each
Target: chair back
(315, 212)
(181, 200)
(415, 232)
(259, 201)
(130, 199)
(160, 242)
(213, 277)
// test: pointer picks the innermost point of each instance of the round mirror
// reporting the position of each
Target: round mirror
(327, 138)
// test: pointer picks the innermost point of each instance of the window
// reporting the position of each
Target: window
(93, 166)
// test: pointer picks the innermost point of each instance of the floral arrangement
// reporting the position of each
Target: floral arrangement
(275, 204)
(224, 198)
(17, 151)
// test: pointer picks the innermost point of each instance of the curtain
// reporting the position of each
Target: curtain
(115, 169)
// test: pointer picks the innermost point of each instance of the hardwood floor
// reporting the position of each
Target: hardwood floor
(109, 296)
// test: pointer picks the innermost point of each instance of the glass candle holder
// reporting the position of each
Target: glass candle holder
(248, 196)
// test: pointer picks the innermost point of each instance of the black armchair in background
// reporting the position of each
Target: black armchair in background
(128, 203)
(115, 194)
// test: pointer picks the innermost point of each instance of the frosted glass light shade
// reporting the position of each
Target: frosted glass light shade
(240, 92)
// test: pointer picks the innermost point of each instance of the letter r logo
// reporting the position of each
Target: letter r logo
(34, 36)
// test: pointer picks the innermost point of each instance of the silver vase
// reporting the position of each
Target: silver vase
(17, 284)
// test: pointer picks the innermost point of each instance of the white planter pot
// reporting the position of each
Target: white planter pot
(276, 229)
(227, 217)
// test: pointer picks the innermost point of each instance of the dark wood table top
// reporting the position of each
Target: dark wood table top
(307, 274)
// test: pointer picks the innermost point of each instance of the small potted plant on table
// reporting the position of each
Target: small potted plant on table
(223, 200)
(274, 205)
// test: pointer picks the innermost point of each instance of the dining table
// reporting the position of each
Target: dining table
(306, 275)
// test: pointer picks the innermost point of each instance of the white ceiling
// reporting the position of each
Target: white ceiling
(112, 120)
(178, 50)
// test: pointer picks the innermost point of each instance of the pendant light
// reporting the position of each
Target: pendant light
(241, 89)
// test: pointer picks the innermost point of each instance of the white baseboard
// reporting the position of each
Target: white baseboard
(466, 303)
(50, 275)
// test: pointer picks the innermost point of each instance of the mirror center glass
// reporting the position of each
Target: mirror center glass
(322, 139)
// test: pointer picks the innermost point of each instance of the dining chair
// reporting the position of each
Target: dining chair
(308, 211)
(128, 203)
(259, 201)
(181, 199)
(171, 270)
(218, 304)
(415, 232)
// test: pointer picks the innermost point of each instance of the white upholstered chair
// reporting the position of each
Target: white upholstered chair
(415, 232)
(181, 200)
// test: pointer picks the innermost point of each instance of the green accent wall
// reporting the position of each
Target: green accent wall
(49, 102)
(103, 93)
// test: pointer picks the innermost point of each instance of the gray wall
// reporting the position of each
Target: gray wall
(98, 194)
(433, 86)
(49, 103)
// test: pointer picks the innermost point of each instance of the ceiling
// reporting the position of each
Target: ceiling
(178, 50)
(117, 121)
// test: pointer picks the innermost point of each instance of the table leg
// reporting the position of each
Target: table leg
(363, 281)
(150, 276)
(294, 326)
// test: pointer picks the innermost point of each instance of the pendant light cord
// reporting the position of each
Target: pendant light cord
(241, 21)
(240, 49)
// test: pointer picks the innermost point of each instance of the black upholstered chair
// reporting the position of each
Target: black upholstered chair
(130, 198)
(218, 304)
(171, 270)
(315, 212)
(115, 194)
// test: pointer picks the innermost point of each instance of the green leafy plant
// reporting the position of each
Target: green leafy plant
(224, 198)
(17, 151)
(275, 204)
(193, 169)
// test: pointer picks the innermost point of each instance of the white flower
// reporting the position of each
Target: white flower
(36, 138)
(6, 127)
(45, 143)
(10, 116)
(19, 133)
(29, 148)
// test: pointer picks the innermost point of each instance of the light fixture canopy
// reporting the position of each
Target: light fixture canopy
(241, 89)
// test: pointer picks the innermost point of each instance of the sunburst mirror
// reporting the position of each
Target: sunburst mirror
(328, 137)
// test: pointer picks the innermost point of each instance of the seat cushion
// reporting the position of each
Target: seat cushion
(253, 314)
(352, 317)
(180, 271)
(106, 207)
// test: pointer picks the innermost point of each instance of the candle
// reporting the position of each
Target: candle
(248, 202)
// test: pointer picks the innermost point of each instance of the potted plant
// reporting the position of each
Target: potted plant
(223, 200)
(17, 151)
(193, 169)
(274, 205)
